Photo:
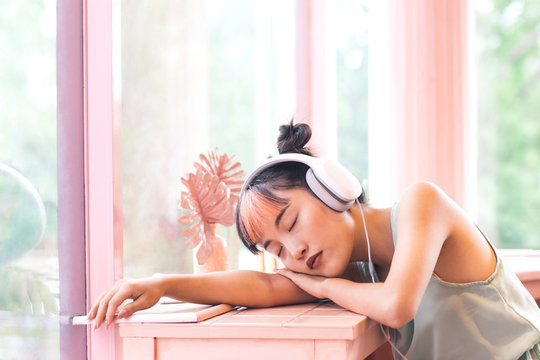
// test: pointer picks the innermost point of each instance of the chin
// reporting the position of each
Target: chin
(334, 271)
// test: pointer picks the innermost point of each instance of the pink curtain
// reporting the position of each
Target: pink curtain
(422, 94)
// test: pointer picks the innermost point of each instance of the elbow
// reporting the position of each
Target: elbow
(398, 320)
(398, 312)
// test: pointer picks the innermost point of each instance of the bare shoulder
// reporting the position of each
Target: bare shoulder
(465, 254)
(424, 192)
(426, 205)
(426, 201)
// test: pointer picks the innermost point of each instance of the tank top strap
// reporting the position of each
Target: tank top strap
(393, 221)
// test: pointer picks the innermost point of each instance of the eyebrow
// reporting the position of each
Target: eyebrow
(280, 215)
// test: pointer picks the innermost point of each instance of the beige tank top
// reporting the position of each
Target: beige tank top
(492, 319)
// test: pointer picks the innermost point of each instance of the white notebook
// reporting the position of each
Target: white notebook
(168, 312)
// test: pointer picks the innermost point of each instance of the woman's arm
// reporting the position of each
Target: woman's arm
(426, 218)
(238, 287)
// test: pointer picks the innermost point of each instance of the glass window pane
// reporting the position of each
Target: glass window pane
(195, 75)
(351, 43)
(28, 194)
(508, 65)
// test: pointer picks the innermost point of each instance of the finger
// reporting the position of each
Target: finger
(95, 307)
(128, 309)
(283, 272)
(125, 292)
(92, 314)
(101, 310)
(288, 274)
(300, 280)
(104, 306)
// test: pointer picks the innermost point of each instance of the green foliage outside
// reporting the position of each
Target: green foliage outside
(22, 216)
(231, 79)
(352, 86)
(28, 291)
(508, 58)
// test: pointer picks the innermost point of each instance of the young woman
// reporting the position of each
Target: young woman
(421, 267)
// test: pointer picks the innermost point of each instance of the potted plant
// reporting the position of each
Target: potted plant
(211, 194)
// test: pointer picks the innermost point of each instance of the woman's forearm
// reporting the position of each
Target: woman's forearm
(371, 299)
(235, 287)
(239, 287)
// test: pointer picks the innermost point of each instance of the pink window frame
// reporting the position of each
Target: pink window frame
(70, 134)
(102, 144)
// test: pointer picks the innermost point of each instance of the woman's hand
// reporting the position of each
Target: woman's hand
(312, 284)
(144, 292)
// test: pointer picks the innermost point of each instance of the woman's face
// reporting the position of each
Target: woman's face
(309, 237)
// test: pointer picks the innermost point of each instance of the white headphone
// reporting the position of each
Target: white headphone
(330, 181)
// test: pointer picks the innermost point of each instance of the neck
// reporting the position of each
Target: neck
(377, 222)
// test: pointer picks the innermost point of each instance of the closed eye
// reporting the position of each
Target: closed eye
(294, 222)
(268, 244)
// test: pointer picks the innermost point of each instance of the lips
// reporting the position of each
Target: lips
(312, 262)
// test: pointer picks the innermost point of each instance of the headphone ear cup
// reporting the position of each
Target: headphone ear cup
(333, 184)
(326, 195)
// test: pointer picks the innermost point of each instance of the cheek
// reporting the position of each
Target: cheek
(294, 267)
(340, 241)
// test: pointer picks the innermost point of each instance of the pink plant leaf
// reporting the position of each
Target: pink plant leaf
(222, 166)
(192, 230)
(194, 241)
(188, 218)
(208, 197)
(184, 200)
(209, 191)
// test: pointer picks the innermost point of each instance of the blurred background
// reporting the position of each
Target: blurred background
(196, 75)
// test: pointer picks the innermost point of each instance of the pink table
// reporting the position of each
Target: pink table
(308, 331)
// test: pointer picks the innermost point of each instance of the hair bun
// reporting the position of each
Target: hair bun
(293, 138)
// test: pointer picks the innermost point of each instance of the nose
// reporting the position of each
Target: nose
(300, 250)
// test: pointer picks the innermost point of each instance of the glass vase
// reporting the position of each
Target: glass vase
(218, 259)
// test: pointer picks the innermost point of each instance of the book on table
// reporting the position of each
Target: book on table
(168, 311)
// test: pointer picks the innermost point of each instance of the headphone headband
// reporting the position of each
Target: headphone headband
(330, 181)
